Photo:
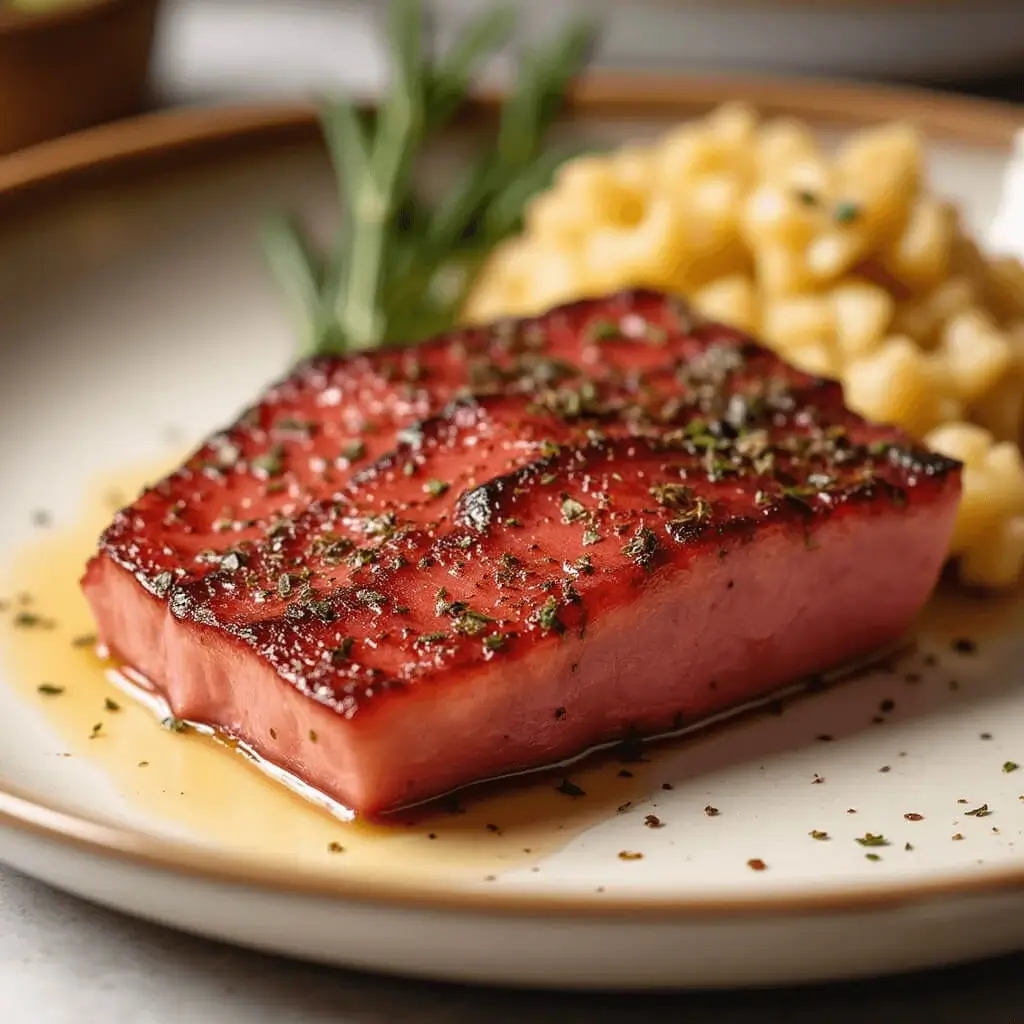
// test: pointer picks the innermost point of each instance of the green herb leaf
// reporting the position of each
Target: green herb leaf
(642, 547)
(400, 266)
(869, 839)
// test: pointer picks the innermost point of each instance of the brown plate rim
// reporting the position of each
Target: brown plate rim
(14, 22)
(153, 140)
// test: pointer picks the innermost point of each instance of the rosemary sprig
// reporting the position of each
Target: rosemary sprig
(400, 267)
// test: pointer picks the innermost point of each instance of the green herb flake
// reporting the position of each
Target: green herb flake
(583, 566)
(373, 599)
(470, 622)
(572, 510)
(172, 724)
(1010, 766)
(602, 330)
(979, 812)
(818, 834)
(354, 451)
(344, 649)
(270, 463)
(547, 617)
(642, 547)
(872, 857)
(684, 525)
(111, 705)
(870, 839)
(591, 537)
(672, 496)
(435, 488)
(846, 213)
(495, 642)
(428, 639)
(49, 690)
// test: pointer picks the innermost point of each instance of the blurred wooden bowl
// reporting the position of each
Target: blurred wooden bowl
(72, 67)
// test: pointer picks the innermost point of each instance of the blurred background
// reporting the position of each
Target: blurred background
(65, 64)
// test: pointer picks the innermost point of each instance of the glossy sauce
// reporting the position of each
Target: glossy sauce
(219, 796)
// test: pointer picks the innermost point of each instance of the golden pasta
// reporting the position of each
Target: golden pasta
(845, 263)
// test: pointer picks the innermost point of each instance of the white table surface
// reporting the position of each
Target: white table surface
(63, 961)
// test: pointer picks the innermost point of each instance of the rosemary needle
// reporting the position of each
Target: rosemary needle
(400, 267)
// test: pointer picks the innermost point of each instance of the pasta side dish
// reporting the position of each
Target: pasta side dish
(846, 264)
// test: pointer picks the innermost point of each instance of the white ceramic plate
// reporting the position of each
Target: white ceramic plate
(135, 315)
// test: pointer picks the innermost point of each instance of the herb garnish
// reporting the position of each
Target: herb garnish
(870, 839)
(846, 213)
(49, 690)
(373, 599)
(402, 266)
(29, 620)
(343, 650)
(270, 463)
(672, 496)
(547, 617)
(603, 330)
(572, 510)
(642, 547)
(425, 639)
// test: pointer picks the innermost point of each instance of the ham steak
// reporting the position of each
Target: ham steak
(405, 571)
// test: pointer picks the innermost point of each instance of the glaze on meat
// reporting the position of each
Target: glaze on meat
(407, 571)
